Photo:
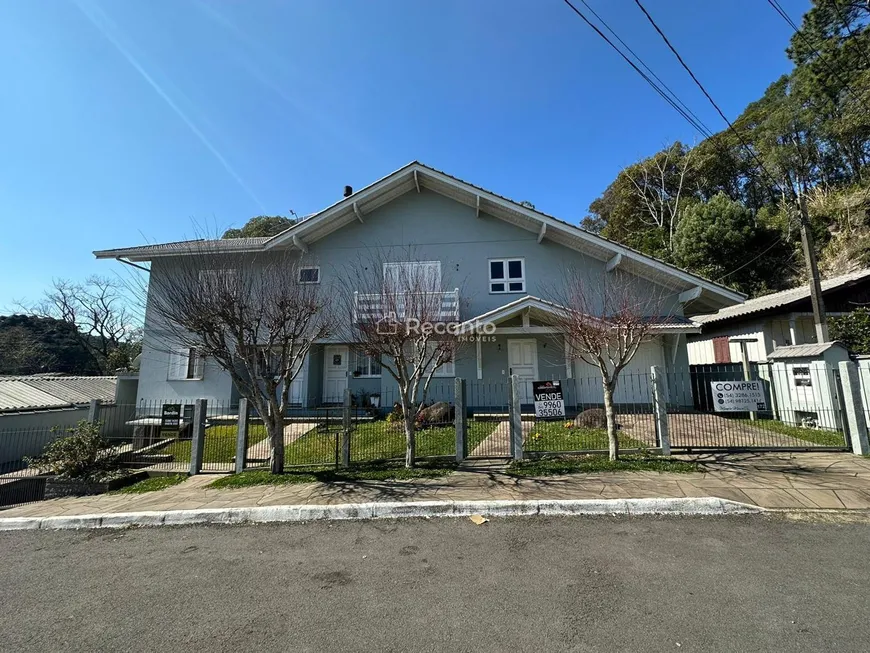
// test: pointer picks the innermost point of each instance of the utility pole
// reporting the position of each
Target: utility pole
(818, 302)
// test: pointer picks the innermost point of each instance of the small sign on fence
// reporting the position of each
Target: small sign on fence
(170, 417)
(738, 396)
(549, 401)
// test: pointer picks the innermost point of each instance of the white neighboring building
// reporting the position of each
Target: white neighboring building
(778, 320)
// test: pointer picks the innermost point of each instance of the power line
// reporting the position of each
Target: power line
(776, 242)
(698, 120)
(748, 148)
(778, 8)
(667, 98)
(851, 33)
(710, 98)
(697, 124)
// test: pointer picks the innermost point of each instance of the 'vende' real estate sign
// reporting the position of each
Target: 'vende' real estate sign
(549, 401)
(738, 396)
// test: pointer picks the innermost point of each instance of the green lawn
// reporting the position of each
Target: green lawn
(220, 444)
(152, 484)
(389, 471)
(374, 440)
(816, 436)
(380, 440)
(556, 436)
(591, 463)
(478, 431)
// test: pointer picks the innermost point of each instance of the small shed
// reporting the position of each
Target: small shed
(806, 386)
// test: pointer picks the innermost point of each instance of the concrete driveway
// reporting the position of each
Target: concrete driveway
(707, 430)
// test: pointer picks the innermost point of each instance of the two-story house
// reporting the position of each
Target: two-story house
(505, 254)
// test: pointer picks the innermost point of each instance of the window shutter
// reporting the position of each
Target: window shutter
(198, 364)
(721, 350)
(177, 365)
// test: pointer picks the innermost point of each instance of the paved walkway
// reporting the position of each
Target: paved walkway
(769, 480)
(292, 432)
(498, 443)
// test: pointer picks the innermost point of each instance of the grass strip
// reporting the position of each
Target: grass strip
(593, 463)
(319, 474)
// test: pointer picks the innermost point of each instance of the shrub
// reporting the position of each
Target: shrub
(397, 414)
(83, 454)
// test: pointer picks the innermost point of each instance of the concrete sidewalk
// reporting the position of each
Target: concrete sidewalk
(768, 480)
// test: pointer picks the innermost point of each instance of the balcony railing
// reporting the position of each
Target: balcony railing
(429, 306)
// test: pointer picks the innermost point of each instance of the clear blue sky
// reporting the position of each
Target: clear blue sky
(124, 121)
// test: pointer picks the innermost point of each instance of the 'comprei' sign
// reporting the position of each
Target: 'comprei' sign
(738, 396)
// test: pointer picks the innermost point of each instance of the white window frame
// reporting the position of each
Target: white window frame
(181, 368)
(309, 267)
(506, 280)
(398, 265)
(802, 376)
(369, 362)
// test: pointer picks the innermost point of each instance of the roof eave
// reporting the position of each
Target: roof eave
(720, 295)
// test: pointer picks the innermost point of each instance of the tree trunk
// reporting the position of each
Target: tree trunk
(610, 413)
(410, 435)
(275, 429)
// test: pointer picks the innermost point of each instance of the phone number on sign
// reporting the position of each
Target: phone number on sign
(550, 408)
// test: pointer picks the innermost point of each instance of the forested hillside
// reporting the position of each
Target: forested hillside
(727, 207)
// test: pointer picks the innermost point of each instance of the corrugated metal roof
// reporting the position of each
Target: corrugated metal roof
(77, 389)
(803, 351)
(17, 395)
(779, 298)
(35, 393)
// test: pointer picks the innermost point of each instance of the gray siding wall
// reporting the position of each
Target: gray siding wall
(435, 228)
(26, 434)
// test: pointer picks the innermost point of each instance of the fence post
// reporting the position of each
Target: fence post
(197, 443)
(460, 419)
(94, 411)
(660, 406)
(851, 383)
(774, 402)
(242, 436)
(516, 420)
(345, 431)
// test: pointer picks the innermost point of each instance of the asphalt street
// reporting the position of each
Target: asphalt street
(561, 584)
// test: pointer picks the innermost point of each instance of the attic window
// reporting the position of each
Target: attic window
(507, 275)
(309, 275)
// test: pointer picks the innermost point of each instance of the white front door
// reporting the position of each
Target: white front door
(297, 387)
(334, 373)
(523, 361)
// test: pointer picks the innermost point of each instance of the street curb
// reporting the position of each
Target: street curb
(710, 506)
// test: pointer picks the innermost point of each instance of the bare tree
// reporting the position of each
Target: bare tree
(401, 316)
(254, 316)
(659, 183)
(604, 323)
(98, 309)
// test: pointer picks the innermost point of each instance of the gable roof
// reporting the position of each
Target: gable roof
(19, 393)
(705, 295)
(808, 350)
(660, 324)
(780, 299)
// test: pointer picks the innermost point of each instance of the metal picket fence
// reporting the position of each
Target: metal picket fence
(803, 407)
(803, 411)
